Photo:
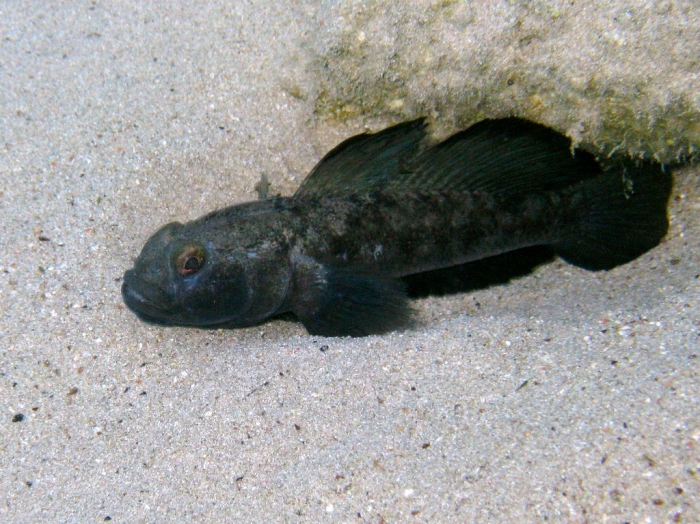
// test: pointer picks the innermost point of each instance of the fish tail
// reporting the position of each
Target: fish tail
(623, 216)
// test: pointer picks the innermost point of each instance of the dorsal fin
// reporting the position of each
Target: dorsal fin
(508, 155)
(364, 161)
(505, 156)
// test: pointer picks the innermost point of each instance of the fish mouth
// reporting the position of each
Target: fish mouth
(150, 303)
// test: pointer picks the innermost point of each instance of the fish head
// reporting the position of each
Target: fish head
(185, 277)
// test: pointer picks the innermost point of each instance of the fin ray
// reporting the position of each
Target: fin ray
(345, 302)
(363, 161)
(508, 155)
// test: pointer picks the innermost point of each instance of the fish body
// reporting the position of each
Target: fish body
(382, 206)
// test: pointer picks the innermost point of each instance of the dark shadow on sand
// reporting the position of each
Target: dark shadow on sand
(479, 274)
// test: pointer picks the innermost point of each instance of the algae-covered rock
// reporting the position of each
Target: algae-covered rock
(615, 76)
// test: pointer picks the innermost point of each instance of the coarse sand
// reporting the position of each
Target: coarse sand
(562, 396)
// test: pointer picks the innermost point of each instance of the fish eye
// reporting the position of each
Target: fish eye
(190, 260)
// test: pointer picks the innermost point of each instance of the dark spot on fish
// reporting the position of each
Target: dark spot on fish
(19, 417)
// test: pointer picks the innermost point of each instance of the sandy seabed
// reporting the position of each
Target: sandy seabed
(564, 396)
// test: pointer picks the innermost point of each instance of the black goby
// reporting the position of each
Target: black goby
(382, 206)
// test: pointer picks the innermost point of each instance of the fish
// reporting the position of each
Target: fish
(379, 207)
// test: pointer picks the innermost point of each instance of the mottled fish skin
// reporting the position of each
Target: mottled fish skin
(379, 207)
(396, 233)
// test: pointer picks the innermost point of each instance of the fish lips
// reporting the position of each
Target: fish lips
(150, 303)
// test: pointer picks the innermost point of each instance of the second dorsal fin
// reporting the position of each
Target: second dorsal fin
(508, 156)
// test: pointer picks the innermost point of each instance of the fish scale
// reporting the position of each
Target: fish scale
(424, 231)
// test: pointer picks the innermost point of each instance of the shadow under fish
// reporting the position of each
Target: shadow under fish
(379, 209)
(479, 274)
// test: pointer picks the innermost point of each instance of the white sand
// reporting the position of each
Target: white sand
(567, 395)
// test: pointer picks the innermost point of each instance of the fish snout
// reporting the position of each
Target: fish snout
(144, 298)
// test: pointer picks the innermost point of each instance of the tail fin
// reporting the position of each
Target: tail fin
(625, 217)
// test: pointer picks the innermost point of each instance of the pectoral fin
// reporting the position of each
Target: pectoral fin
(344, 302)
